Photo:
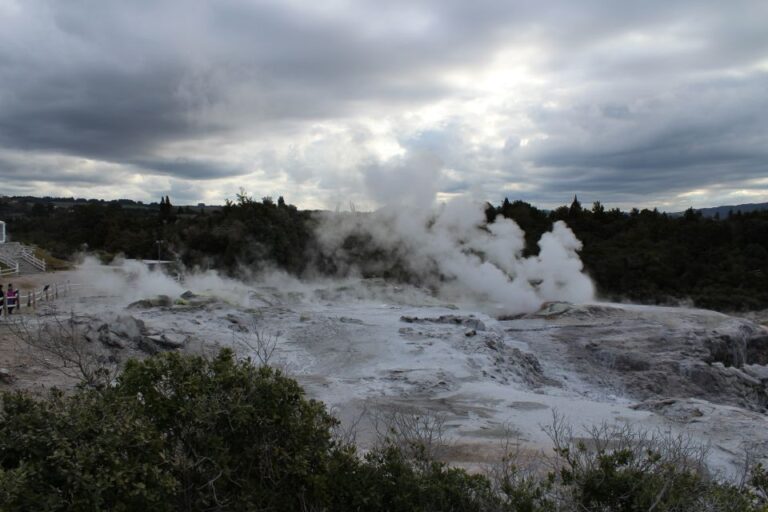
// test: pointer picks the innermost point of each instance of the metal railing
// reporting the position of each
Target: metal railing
(33, 260)
(12, 266)
(13, 253)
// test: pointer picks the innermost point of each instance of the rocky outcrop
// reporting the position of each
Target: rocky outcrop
(466, 321)
(125, 332)
(187, 299)
(154, 302)
(6, 377)
(503, 363)
(651, 353)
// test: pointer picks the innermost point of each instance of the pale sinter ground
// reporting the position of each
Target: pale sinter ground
(367, 348)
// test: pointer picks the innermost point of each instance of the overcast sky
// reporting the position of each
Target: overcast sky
(654, 103)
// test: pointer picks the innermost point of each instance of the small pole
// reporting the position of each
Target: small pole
(56, 290)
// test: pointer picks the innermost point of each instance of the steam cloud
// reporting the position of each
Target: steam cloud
(449, 248)
(454, 252)
(125, 281)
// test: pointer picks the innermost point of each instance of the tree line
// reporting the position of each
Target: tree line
(642, 255)
(654, 257)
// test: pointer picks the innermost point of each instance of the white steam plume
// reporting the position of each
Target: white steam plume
(452, 250)
(126, 281)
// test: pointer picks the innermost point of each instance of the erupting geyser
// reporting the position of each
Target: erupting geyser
(455, 252)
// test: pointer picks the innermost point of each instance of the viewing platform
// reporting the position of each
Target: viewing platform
(17, 258)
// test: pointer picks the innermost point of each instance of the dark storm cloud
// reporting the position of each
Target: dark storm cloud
(18, 171)
(693, 136)
(115, 81)
(189, 168)
(649, 96)
(108, 114)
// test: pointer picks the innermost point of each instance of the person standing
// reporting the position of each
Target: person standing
(11, 297)
(2, 299)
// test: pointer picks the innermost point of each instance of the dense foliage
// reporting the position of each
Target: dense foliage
(183, 433)
(175, 433)
(246, 233)
(644, 256)
(648, 256)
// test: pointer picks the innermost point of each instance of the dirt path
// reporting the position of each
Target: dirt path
(23, 370)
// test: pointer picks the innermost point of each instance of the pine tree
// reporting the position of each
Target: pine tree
(575, 209)
(165, 207)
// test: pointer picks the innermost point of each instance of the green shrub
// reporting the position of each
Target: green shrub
(182, 433)
(80, 453)
(235, 435)
(174, 433)
(621, 469)
(387, 480)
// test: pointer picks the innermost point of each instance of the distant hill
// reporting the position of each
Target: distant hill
(723, 210)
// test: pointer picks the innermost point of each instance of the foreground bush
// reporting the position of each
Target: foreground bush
(174, 433)
(182, 433)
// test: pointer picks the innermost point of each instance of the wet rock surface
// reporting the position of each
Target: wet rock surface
(125, 332)
(154, 302)
(655, 353)
(500, 362)
(469, 322)
(6, 377)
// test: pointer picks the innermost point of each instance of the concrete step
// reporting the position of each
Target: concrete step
(12, 251)
(27, 268)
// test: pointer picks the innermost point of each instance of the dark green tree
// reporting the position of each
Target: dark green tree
(575, 209)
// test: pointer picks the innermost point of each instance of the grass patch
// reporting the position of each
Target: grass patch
(52, 262)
